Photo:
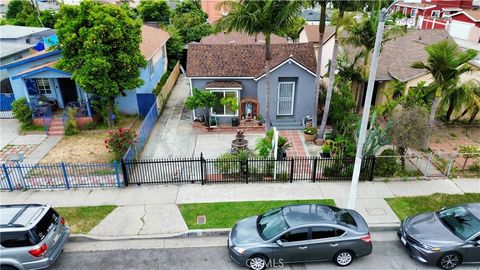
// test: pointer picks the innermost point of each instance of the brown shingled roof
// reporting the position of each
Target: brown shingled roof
(153, 38)
(313, 34)
(399, 54)
(206, 60)
(240, 38)
(223, 84)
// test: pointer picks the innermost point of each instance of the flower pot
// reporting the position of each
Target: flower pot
(308, 137)
(235, 122)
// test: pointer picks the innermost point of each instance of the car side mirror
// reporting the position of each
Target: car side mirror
(279, 242)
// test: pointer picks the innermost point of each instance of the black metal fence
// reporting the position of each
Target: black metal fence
(204, 171)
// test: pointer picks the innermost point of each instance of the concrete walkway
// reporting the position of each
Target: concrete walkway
(152, 211)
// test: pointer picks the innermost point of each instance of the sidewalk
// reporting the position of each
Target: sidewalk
(151, 210)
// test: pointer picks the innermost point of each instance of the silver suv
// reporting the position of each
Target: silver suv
(32, 236)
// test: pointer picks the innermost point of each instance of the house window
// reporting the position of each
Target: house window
(224, 110)
(286, 94)
(436, 13)
(413, 12)
(151, 68)
(43, 86)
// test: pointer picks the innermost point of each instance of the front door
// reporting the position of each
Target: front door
(68, 89)
(294, 246)
(285, 100)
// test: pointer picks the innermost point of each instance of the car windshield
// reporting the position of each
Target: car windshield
(271, 224)
(460, 221)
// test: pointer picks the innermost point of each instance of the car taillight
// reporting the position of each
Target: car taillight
(62, 220)
(367, 238)
(39, 251)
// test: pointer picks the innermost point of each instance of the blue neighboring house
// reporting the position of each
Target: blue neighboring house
(230, 70)
(37, 78)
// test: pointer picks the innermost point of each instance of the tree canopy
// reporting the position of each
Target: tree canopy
(154, 11)
(101, 48)
(190, 21)
(21, 12)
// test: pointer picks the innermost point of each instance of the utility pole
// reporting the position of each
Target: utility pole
(366, 109)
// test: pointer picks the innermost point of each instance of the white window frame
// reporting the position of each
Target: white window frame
(225, 107)
(45, 82)
(293, 98)
(413, 12)
(437, 12)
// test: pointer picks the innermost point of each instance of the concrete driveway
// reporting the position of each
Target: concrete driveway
(8, 131)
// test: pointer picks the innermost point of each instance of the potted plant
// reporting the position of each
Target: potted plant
(201, 100)
(326, 150)
(260, 120)
(309, 133)
(233, 103)
(283, 145)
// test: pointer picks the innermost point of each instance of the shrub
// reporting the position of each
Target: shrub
(22, 111)
(468, 152)
(227, 163)
(310, 131)
(71, 127)
(340, 168)
(386, 166)
(119, 141)
(264, 145)
(475, 167)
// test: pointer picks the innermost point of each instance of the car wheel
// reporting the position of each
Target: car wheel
(343, 258)
(257, 262)
(449, 261)
(7, 267)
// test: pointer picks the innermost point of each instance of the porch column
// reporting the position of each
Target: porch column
(87, 102)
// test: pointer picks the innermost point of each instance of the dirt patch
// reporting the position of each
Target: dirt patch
(87, 146)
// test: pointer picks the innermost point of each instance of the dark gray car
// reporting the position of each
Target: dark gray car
(445, 238)
(299, 233)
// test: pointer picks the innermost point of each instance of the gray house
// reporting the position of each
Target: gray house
(238, 71)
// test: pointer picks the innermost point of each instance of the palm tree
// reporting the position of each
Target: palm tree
(445, 62)
(267, 17)
(362, 34)
(471, 103)
(321, 29)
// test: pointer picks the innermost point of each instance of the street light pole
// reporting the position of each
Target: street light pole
(366, 109)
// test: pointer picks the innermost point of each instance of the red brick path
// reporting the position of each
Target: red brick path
(298, 148)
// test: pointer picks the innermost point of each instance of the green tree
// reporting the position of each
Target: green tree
(201, 100)
(267, 17)
(174, 46)
(445, 62)
(362, 34)
(410, 129)
(101, 48)
(293, 31)
(154, 11)
(472, 103)
(190, 21)
(14, 7)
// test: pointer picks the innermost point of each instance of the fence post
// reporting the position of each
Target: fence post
(291, 169)
(314, 175)
(246, 171)
(427, 169)
(10, 186)
(115, 165)
(202, 172)
(452, 156)
(124, 172)
(65, 175)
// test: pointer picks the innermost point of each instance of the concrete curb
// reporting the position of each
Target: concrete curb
(380, 227)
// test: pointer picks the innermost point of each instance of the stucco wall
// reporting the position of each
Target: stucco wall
(304, 94)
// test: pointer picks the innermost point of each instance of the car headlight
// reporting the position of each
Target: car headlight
(240, 250)
(427, 247)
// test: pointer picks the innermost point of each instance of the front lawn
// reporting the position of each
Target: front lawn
(406, 206)
(226, 214)
(83, 219)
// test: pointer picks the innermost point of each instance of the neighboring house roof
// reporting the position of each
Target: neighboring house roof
(207, 60)
(421, 6)
(399, 54)
(15, 31)
(313, 34)
(12, 48)
(473, 14)
(153, 39)
(30, 58)
(240, 38)
(223, 84)
(49, 66)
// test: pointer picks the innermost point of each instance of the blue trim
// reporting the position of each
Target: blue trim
(31, 59)
(36, 71)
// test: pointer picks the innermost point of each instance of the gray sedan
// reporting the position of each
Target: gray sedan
(446, 238)
(299, 233)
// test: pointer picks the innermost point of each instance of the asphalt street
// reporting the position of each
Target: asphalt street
(386, 255)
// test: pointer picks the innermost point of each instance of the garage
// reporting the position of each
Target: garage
(460, 29)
